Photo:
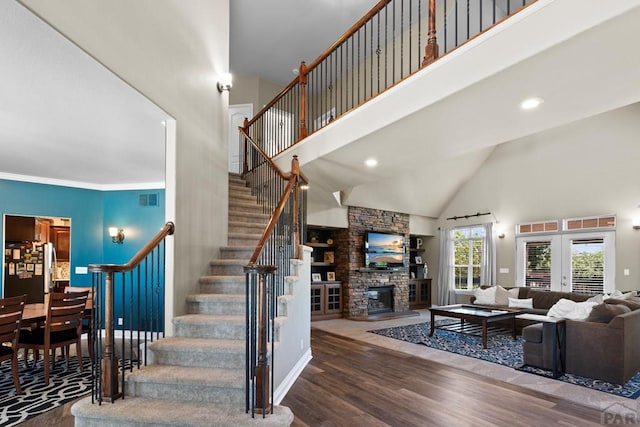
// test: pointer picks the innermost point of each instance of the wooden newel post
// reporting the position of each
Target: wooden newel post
(431, 49)
(302, 81)
(109, 363)
(262, 368)
(245, 161)
(260, 301)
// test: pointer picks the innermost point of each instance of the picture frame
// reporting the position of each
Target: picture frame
(418, 259)
(316, 277)
(331, 276)
(329, 257)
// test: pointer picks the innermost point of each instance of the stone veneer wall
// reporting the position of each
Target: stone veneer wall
(355, 288)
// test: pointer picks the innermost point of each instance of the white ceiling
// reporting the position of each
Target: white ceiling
(66, 119)
(270, 38)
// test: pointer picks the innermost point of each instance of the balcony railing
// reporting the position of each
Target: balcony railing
(394, 40)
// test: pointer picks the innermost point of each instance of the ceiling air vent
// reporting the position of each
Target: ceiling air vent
(150, 199)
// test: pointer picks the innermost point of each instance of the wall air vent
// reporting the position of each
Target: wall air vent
(150, 200)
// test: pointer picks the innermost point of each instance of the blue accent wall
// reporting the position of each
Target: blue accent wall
(91, 213)
(140, 223)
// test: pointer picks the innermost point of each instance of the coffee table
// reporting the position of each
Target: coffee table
(476, 315)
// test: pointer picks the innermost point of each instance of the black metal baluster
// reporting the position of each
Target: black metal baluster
(402, 39)
(386, 41)
(410, 34)
(456, 26)
(468, 21)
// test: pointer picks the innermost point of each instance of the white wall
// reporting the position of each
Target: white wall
(293, 349)
(171, 51)
(586, 168)
(253, 90)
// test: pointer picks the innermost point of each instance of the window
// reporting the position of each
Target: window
(587, 265)
(538, 264)
(468, 247)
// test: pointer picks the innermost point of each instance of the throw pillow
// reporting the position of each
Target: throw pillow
(605, 312)
(521, 303)
(614, 294)
(485, 296)
(597, 298)
(503, 295)
(567, 309)
(629, 295)
(633, 303)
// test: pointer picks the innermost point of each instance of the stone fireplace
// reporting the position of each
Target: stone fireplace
(363, 283)
(380, 299)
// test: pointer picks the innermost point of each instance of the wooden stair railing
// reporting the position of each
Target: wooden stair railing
(280, 241)
(386, 46)
(142, 280)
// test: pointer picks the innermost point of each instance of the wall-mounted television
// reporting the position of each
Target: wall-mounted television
(383, 250)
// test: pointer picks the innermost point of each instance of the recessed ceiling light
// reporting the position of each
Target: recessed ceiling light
(531, 103)
(371, 163)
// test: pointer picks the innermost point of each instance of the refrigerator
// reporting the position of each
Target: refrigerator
(29, 269)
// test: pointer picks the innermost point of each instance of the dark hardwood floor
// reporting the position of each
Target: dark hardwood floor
(352, 383)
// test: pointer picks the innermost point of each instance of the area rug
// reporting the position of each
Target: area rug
(37, 397)
(501, 349)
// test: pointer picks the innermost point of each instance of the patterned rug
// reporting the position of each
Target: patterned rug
(38, 398)
(501, 349)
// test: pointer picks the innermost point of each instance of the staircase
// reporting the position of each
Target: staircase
(197, 377)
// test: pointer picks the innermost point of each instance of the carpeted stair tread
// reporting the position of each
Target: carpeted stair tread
(216, 298)
(241, 213)
(242, 253)
(198, 345)
(229, 261)
(249, 207)
(235, 284)
(204, 319)
(214, 279)
(199, 352)
(247, 227)
(171, 374)
(217, 304)
(138, 411)
(242, 196)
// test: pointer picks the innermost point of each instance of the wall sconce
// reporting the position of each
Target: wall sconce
(501, 235)
(225, 82)
(116, 234)
(635, 222)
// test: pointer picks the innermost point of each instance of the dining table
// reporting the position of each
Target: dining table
(34, 314)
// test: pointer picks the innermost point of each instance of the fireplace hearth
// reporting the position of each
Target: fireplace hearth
(380, 299)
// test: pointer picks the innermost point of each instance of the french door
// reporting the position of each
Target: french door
(571, 262)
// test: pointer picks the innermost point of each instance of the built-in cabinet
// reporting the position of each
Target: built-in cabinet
(326, 288)
(419, 284)
(326, 300)
(419, 293)
(61, 239)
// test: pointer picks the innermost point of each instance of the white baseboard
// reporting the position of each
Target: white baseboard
(293, 375)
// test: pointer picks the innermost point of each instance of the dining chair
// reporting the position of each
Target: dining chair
(86, 321)
(63, 327)
(11, 310)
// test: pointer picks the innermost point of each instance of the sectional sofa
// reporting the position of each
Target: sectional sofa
(605, 346)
